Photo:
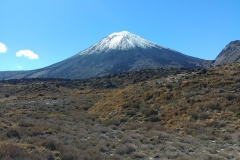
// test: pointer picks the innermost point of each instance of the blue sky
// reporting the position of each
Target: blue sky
(38, 33)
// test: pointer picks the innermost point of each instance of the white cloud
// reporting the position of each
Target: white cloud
(27, 53)
(3, 48)
(19, 67)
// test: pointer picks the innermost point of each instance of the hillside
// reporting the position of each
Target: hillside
(230, 54)
(148, 114)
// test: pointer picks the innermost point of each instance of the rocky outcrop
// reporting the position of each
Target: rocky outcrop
(230, 54)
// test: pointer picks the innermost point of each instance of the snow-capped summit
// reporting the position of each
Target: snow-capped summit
(120, 41)
(125, 40)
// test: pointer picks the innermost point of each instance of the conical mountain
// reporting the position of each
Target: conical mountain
(230, 54)
(118, 52)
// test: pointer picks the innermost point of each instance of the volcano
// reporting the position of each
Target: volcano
(118, 52)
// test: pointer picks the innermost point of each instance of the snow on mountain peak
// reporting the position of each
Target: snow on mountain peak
(123, 33)
(119, 41)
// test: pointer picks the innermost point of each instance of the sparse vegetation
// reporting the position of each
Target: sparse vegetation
(171, 114)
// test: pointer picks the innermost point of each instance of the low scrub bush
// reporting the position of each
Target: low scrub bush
(50, 144)
(148, 112)
(153, 118)
(24, 123)
(110, 122)
(138, 155)
(194, 115)
(125, 149)
(69, 153)
(35, 131)
(203, 116)
(197, 129)
(92, 154)
(226, 137)
(131, 112)
(10, 151)
(13, 133)
(234, 109)
(159, 127)
(210, 105)
(230, 96)
(131, 105)
(86, 107)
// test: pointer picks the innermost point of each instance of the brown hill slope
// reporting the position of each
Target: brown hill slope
(150, 114)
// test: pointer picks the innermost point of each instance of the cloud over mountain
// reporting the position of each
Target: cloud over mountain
(27, 53)
(3, 48)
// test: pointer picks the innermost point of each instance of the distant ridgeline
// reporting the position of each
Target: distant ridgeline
(109, 81)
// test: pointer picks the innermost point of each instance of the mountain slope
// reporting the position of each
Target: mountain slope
(230, 54)
(118, 52)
